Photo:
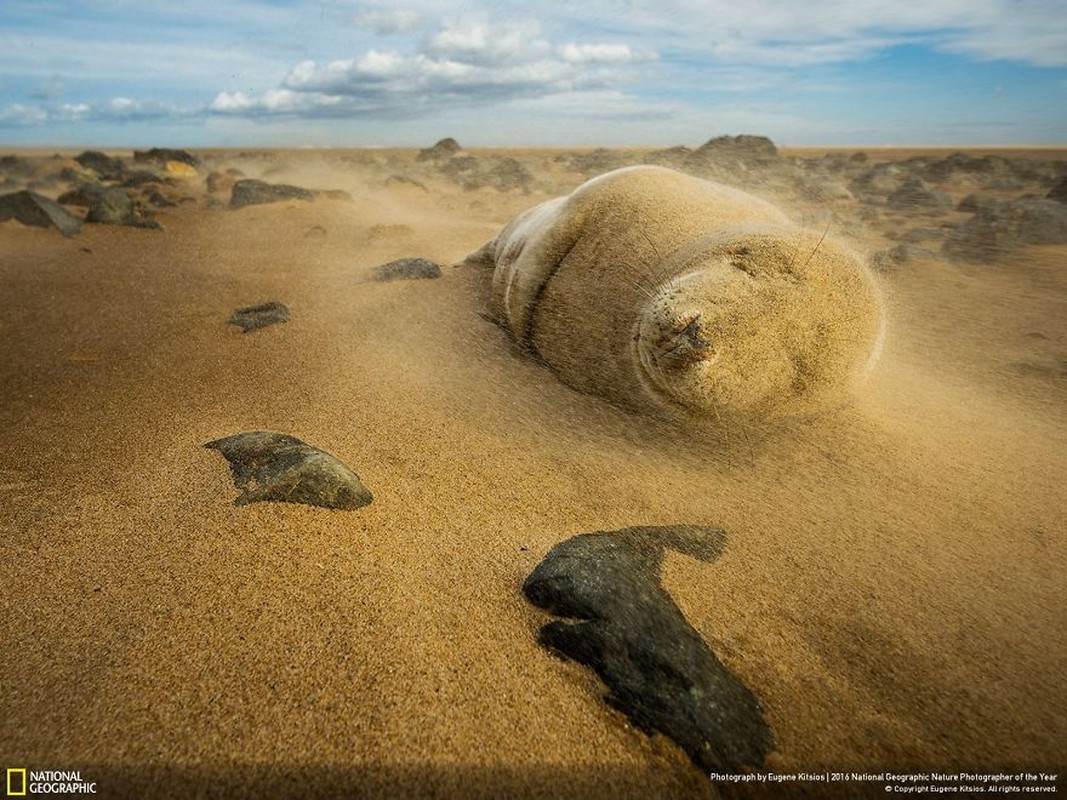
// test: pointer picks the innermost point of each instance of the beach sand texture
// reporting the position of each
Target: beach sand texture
(892, 587)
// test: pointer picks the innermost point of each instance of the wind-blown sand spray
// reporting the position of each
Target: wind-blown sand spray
(658, 290)
(891, 589)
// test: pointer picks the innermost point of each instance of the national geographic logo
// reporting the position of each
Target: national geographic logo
(22, 782)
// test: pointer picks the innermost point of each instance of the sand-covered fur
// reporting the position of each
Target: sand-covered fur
(657, 290)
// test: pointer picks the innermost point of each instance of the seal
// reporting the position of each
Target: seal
(661, 291)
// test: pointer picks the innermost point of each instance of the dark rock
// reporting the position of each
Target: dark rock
(899, 255)
(108, 168)
(275, 466)
(252, 318)
(670, 156)
(977, 201)
(141, 177)
(877, 182)
(593, 163)
(30, 208)
(1059, 190)
(914, 197)
(822, 189)
(161, 155)
(621, 622)
(249, 192)
(407, 269)
(993, 232)
(744, 148)
(460, 164)
(505, 175)
(446, 148)
(82, 195)
(161, 201)
(223, 181)
(112, 206)
(16, 166)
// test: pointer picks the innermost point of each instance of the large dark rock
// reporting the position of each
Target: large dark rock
(669, 157)
(1058, 190)
(445, 148)
(252, 318)
(593, 163)
(108, 168)
(250, 192)
(161, 155)
(16, 166)
(995, 231)
(743, 148)
(621, 622)
(407, 269)
(30, 208)
(82, 194)
(278, 467)
(112, 206)
(914, 197)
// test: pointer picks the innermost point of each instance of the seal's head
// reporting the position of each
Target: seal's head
(762, 324)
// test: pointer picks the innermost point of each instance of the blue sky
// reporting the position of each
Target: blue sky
(198, 73)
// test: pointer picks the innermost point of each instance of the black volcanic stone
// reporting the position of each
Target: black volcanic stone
(250, 192)
(407, 269)
(278, 467)
(619, 620)
(252, 318)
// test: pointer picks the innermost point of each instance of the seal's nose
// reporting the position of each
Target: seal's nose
(683, 345)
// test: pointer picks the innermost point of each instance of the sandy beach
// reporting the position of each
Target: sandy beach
(891, 589)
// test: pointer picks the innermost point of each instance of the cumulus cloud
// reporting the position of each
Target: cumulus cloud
(470, 63)
(387, 22)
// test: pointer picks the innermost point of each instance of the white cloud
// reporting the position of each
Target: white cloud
(387, 22)
(470, 63)
(602, 54)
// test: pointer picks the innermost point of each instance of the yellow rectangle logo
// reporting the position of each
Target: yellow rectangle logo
(16, 782)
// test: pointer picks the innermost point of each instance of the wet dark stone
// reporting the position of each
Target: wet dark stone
(30, 208)
(270, 466)
(407, 269)
(620, 621)
(252, 318)
(249, 192)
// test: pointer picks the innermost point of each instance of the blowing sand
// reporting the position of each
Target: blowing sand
(892, 587)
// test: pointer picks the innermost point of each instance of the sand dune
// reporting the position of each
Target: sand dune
(891, 589)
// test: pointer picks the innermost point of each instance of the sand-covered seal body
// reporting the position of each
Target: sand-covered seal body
(659, 290)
